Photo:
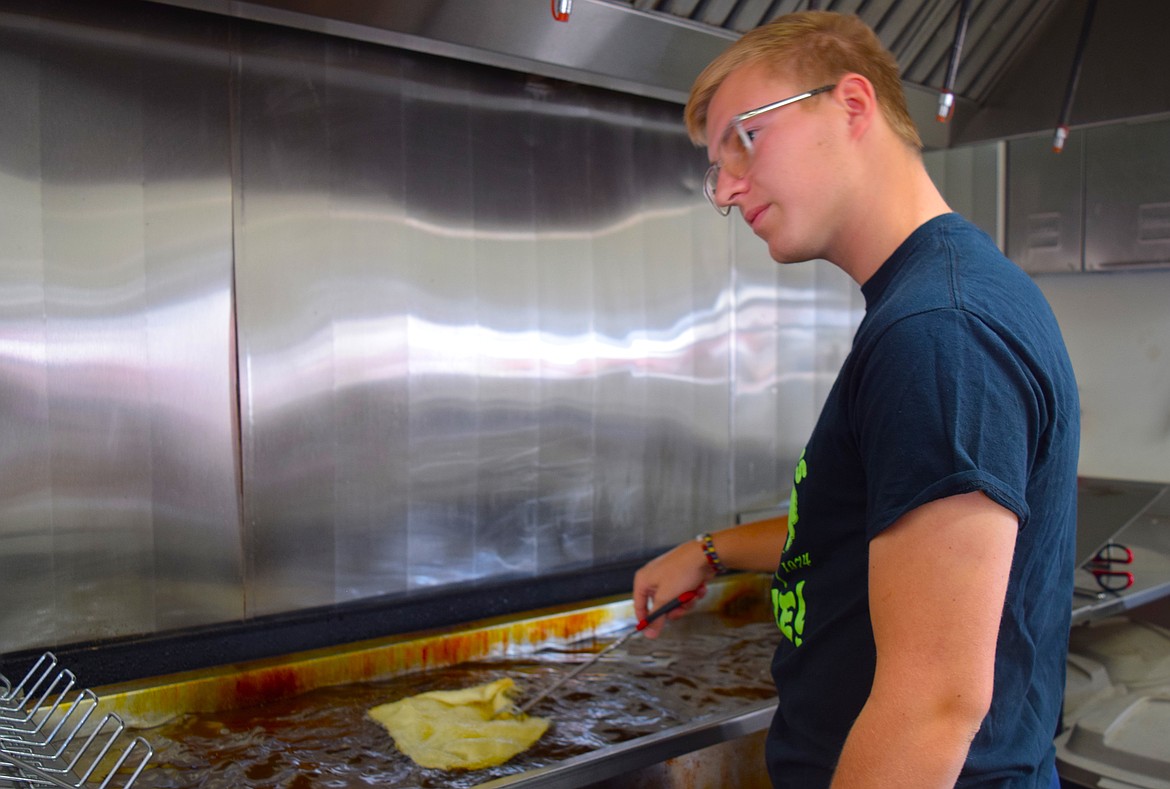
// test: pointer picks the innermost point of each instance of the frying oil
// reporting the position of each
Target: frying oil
(703, 665)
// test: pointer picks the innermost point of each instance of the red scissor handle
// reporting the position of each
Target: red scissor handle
(1113, 553)
(1113, 580)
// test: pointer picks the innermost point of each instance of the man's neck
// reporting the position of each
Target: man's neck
(903, 199)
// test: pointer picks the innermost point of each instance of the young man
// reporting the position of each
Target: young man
(923, 580)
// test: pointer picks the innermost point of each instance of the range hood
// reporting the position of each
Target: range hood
(1011, 77)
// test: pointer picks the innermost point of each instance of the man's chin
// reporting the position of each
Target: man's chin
(786, 257)
(783, 253)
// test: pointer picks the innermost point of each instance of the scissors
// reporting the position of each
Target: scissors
(1102, 567)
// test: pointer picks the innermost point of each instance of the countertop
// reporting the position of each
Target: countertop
(1133, 514)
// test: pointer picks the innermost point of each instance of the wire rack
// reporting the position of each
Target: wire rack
(49, 735)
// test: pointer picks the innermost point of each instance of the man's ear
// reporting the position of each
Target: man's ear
(857, 95)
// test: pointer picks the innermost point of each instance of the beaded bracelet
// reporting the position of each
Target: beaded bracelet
(708, 544)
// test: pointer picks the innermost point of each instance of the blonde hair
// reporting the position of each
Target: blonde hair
(815, 47)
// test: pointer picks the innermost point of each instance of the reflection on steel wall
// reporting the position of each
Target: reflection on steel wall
(482, 324)
(793, 327)
(118, 497)
(478, 331)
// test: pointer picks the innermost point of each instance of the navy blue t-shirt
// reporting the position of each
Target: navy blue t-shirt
(957, 381)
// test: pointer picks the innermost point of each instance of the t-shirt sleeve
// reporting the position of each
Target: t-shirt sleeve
(943, 407)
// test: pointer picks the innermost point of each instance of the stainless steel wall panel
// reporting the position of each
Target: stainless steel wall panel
(504, 133)
(96, 342)
(563, 212)
(187, 246)
(712, 309)
(480, 324)
(621, 429)
(679, 443)
(366, 223)
(128, 435)
(26, 536)
(760, 346)
(793, 329)
(444, 339)
(285, 292)
(531, 450)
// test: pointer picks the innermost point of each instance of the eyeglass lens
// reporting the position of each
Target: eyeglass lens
(735, 146)
(735, 151)
(734, 157)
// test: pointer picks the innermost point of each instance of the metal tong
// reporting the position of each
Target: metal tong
(682, 599)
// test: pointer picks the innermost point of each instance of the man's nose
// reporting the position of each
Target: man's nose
(727, 186)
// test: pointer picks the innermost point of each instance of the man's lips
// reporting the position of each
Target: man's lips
(750, 215)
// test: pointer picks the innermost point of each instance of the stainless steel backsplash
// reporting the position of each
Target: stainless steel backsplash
(288, 320)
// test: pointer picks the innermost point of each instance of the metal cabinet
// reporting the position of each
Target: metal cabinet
(1102, 204)
(1045, 204)
(1127, 196)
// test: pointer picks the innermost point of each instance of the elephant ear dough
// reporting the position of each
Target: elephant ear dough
(458, 729)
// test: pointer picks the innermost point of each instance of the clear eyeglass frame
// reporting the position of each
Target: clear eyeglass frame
(736, 148)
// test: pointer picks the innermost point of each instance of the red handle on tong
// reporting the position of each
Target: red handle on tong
(682, 599)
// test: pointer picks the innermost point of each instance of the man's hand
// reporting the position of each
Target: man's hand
(751, 546)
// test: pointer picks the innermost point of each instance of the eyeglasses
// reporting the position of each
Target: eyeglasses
(735, 147)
